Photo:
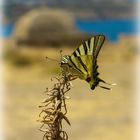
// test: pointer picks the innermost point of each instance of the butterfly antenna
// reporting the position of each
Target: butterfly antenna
(52, 59)
(61, 55)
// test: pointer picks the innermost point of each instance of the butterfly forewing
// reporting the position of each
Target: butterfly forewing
(89, 49)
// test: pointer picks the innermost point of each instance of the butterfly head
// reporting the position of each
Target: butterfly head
(64, 63)
(65, 59)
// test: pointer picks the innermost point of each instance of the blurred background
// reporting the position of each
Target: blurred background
(35, 29)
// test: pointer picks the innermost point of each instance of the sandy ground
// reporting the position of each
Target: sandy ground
(94, 115)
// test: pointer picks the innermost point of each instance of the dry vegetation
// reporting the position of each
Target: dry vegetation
(54, 109)
(98, 114)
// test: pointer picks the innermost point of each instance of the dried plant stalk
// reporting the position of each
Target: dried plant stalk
(54, 109)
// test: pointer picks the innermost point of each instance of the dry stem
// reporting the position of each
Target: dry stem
(54, 109)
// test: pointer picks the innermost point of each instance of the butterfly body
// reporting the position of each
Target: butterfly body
(83, 61)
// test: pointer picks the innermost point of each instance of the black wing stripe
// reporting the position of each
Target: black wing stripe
(75, 65)
(91, 45)
(95, 44)
(88, 42)
(83, 65)
(100, 41)
(95, 67)
(75, 54)
(78, 51)
(85, 48)
(96, 40)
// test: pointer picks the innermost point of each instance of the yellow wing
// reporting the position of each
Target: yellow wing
(81, 66)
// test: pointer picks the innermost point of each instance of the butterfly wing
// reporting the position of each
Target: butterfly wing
(80, 65)
(84, 59)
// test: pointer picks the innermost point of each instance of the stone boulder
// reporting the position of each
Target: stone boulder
(47, 27)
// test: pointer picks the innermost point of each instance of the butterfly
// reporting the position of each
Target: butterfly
(83, 62)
